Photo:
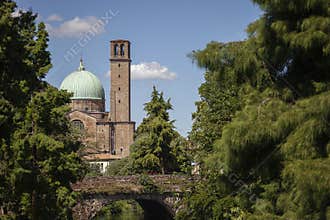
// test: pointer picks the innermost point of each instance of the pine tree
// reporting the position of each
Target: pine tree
(152, 150)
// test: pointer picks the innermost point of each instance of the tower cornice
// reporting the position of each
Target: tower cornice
(120, 60)
(120, 41)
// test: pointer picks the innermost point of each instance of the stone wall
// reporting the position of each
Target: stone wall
(89, 126)
(103, 136)
(124, 137)
(96, 134)
(88, 105)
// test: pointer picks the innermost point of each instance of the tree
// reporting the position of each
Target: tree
(37, 147)
(232, 69)
(270, 159)
(152, 149)
(122, 167)
(293, 39)
(274, 151)
(181, 150)
(45, 158)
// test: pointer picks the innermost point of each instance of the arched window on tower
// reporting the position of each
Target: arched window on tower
(116, 50)
(77, 124)
(122, 50)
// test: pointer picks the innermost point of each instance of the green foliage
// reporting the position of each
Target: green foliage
(93, 170)
(120, 167)
(231, 69)
(207, 204)
(123, 209)
(308, 122)
(198, 206)
(273, 140)
(253, 147)
(24, 60)
(262, 126)
(294, 40)
(38, 159)
(158, 147)
(181, 151)
(114, 208)
(307, 188)
(147, 183)
(144, 158)
(45, 162)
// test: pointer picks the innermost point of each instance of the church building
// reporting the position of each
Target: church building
(107, 135)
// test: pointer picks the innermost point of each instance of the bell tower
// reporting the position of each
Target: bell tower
(120, 94)
(122, 128)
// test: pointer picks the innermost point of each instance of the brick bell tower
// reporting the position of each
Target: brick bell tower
(120, 81)
(120, 97)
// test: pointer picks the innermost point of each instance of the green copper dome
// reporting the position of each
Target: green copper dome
(83, 85)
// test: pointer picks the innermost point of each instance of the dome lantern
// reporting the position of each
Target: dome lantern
(81, 65)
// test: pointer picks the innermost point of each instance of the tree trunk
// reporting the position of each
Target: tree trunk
(34, 208)
(34, 171)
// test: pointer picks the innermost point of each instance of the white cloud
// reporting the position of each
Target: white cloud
(77, 26)
(151, 70)
(17, 12)
(54, 17)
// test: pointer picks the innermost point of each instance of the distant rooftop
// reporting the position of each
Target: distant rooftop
(101, 157)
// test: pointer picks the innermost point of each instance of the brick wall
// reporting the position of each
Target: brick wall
(120, 100)
(88, 105)
(124, 133)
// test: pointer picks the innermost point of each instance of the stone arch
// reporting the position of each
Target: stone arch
(154, 205)
(96, 192)
(155, 209)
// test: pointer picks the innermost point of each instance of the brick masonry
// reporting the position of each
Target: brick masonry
(88, 105)
(103, 131)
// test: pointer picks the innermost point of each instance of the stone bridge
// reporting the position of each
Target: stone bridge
(158, 195)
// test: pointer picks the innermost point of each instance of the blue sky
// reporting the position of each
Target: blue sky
(162, 33)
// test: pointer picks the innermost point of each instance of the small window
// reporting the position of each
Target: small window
(119, 76)
(86, 109)
(119, 89)
(118, 101)
(78, 124)
(118, 64)
(122, 50)
(116, 50)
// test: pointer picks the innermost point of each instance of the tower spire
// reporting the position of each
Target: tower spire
(81, 65)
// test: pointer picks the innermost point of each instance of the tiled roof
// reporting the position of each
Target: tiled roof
(101, 157)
